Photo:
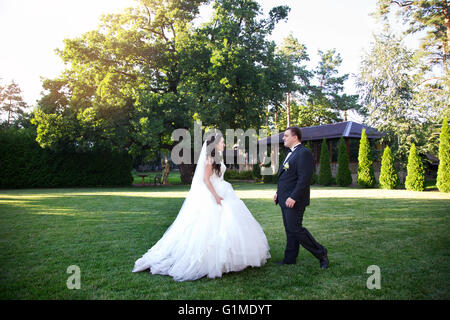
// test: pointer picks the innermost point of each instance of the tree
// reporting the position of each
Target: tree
(344, 176)
(366, 175)
(148, 70)
(237, 72)
(292, 55)
(431, 16)
(319, 99)
(415, 179)
(389, 84)
(11, 101)
(328, 92)
(325, 177)
(309, 113)
(443, 177)
(388, 174)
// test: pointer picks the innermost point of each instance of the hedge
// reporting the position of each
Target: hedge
(24, 164)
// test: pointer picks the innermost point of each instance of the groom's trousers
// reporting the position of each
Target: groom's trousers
(296, 234)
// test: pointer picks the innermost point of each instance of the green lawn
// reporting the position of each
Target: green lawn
(174, 177)
(104, 230)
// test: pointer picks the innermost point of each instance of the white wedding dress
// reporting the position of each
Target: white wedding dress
(208, 239)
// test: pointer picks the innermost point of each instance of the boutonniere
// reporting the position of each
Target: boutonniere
(286, 166)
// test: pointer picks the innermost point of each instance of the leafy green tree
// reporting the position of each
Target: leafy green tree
(120, 89)
(366, 175)
(325, 177)
(309, 113)
(344, 176)
(323, 102)
(235, 66)
(148, 70)
(388, 174)
(415, 179)
(292, 55)
(443, 177)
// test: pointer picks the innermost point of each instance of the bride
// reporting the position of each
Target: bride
(214, 232)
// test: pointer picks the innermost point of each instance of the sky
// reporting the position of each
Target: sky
(30, 31)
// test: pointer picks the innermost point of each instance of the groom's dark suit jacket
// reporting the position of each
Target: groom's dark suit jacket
(295, 181)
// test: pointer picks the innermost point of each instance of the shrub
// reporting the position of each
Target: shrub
(25, 164)
(314, 175)
(415, 179)
(366, 175)
(314, 179)
(236, 175)
(274, 178)
(344, 176)
(256, 172)
(388, 174)
(325, 177)
(443, 177)
(270, 179)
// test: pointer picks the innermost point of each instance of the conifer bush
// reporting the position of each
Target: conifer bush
(344, 176)
(366, 175)
(388, 175)
(443, 176)
(325, 177)
(415, 179)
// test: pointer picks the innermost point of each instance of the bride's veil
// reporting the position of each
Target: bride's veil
(198, 192)
(197, 180)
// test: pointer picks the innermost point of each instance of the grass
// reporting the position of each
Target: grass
(174, 177)
(104, 230)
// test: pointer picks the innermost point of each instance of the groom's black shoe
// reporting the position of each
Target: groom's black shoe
(324, 260)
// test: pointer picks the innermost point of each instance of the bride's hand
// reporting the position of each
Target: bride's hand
(218, 199)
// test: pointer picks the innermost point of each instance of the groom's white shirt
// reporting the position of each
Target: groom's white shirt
(292, 150)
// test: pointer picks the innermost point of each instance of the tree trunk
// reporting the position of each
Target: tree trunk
(288, 109)
(447, 44)
(187, 172)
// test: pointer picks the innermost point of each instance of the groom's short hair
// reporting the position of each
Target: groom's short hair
(296, 131)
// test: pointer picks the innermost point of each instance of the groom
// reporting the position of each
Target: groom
(294, 179)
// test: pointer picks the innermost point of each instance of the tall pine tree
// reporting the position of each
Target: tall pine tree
(366, 175)
(344, 176)
(388, 175)
(325, 177)
(415, 179)
(443, 177)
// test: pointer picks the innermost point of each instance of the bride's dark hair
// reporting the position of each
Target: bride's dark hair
(211, 151)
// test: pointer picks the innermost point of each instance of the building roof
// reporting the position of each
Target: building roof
(347, 129)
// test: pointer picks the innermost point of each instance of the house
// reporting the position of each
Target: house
(350, 130)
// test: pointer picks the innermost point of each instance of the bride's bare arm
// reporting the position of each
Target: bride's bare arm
(207, 175)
